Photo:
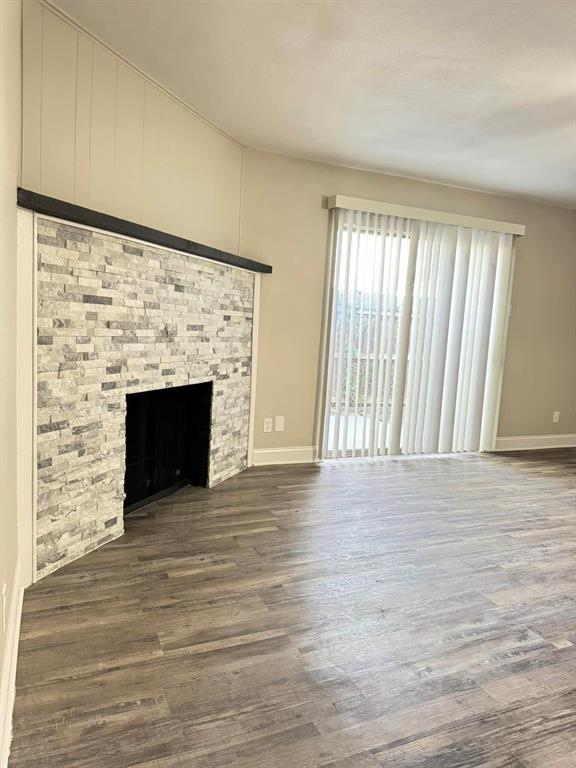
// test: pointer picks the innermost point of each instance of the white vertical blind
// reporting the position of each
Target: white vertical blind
(416, 337)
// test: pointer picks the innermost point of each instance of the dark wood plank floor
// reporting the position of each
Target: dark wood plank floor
(413, 613)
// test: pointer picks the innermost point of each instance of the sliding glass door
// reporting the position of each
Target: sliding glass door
(416, 335)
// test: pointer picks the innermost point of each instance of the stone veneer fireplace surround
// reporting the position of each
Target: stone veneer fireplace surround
(117, 316)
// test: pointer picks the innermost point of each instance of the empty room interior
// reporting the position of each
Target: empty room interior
(288, 383)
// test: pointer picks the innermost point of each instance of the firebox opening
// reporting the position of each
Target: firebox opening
(167, 442)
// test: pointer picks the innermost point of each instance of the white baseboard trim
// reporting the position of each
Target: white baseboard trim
(302, 454)
(8, 680)
(535, 442)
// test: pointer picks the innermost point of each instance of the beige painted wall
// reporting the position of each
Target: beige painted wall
(98, 133)
(9, 161)
(284, 224)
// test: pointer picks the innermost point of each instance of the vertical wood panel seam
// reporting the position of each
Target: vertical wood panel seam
(76, 117)
(141, 185)
(113, 201)
(41, 97)
(21, 153)
(90, 118)
(142, 152)
(75, 127)
(240, 201)
(179, 123)
(83, 96)
(90, 124)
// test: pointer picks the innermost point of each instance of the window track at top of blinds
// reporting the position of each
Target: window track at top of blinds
(423, 214)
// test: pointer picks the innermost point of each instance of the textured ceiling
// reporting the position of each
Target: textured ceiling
(478, 93)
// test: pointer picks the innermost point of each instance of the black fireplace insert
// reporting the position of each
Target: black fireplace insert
(167, 442)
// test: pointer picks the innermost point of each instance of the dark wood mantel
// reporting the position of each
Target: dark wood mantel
(50, 206)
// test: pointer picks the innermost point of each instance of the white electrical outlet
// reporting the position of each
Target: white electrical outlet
(556, 417)
(279, 424)
(268, 424)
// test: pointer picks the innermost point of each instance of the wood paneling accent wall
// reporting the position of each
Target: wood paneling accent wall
(99, 134)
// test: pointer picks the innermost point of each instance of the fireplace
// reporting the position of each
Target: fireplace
(167, 442)
(136, 344)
